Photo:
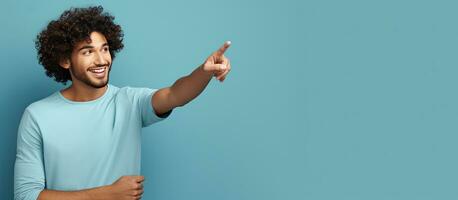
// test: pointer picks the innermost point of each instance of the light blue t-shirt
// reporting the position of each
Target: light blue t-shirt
(67, 145)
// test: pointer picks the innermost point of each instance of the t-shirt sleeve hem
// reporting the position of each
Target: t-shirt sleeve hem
(153, 117)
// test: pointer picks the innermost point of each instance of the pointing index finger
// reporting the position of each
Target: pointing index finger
(223, 49)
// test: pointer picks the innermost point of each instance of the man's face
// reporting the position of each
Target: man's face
(90, 62)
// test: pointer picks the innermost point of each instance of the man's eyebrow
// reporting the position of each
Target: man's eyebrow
(90, 46)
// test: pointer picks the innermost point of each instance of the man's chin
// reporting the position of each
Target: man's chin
(100, 85)
(96, 83)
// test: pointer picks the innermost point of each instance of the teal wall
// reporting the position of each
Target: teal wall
(326, 99)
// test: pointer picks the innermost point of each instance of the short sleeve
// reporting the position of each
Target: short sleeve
(146, 108)
(29, 178)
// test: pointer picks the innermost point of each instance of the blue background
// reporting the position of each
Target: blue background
(326, 99)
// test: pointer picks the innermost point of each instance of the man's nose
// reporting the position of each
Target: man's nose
(100, 60)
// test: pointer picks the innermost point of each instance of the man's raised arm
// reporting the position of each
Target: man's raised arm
(189, 87)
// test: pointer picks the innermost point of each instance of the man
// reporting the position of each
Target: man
(83, 142)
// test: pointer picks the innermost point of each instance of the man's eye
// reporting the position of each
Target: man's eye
(105, 49)
(87, 52)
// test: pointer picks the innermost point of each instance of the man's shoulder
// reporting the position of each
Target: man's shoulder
(133, 90)
(45, 103)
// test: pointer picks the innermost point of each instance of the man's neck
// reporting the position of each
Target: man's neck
(83, 92)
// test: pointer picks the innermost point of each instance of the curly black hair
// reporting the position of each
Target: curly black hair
(57, 40)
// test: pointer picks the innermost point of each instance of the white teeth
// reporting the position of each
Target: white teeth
(98, 70)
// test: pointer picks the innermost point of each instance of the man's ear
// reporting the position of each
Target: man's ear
(65, 63)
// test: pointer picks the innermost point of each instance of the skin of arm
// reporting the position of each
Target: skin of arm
(98, 193)
(127, 187)
(181, 92)
(189, 87)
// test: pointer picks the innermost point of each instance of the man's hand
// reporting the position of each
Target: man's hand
(218, 64)
(127, 188)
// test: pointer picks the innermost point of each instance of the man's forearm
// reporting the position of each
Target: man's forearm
(98, 193)
(189, 87)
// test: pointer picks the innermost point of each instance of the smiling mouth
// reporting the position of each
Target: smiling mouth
(99, 71)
